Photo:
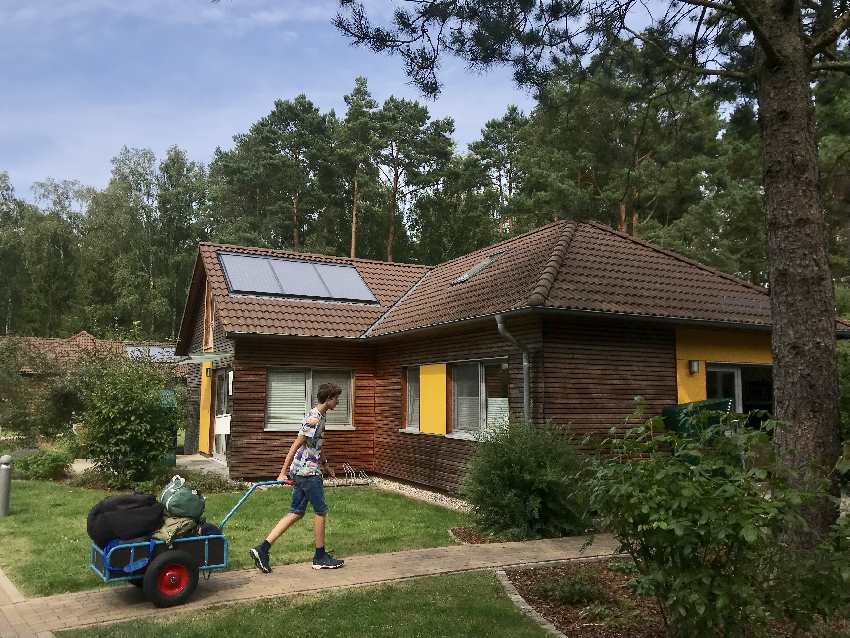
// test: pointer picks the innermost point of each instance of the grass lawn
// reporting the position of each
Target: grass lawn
(456, 605)
(46, 548)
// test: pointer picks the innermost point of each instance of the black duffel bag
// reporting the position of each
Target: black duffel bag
(123, 517)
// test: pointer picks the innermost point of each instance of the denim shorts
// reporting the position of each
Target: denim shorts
(308, 489)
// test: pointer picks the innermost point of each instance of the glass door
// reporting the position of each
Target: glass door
(223, 402)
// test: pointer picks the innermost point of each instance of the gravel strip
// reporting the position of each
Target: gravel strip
(421, 494)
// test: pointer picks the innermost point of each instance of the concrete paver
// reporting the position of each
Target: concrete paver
(28, 618)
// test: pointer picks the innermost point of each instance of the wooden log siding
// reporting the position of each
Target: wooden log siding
(255, 453)
(438, 461)
(594, 368)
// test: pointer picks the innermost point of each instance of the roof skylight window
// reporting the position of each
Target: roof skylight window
(477, 268)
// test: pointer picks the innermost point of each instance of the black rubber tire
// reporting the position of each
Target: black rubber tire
(175, 561)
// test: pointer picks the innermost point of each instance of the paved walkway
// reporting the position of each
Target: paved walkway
(37, 617)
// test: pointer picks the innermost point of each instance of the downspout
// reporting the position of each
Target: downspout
(526, 367)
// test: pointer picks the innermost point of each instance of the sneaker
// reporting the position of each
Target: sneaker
(327, 562)
(261, 559)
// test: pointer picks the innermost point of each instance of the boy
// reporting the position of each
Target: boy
(302, 464)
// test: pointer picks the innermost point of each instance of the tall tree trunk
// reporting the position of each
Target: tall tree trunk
(393, 205)
(635, 220)
(296, 238)
(805, 377)
(622, 226)
(354, 201)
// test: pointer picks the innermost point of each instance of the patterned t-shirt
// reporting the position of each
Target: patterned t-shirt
(306, 461)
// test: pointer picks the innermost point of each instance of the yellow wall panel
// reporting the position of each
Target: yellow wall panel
(432, 398)
(205, 409)
(715, 346)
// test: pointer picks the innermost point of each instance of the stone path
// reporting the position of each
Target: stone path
(38, 617)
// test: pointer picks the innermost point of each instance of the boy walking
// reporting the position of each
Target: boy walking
(303, 464)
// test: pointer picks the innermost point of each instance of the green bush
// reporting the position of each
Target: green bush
(205, 482)
(42, 465)
(522, 483)
(704, 518)
(127, 425)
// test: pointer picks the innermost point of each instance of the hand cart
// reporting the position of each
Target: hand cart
(167, 573)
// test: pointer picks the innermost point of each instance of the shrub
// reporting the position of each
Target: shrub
(205, 482)
(127, 425)
(43, 465)
(704, 519)
(522, 483)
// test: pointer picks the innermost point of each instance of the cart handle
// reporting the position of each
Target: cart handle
(245, 498)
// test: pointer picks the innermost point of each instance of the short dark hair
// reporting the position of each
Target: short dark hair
(328, 391)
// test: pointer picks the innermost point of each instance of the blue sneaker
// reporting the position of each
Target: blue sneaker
(261, 558)
(326, 561)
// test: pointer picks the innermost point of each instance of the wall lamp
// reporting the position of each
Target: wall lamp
(693, 366)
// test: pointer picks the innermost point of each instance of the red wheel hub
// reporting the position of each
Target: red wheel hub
(172, 579)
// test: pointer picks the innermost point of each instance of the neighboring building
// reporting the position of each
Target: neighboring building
(63, 353)
(569, 322)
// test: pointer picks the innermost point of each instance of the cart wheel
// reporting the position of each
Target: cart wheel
(170, 579)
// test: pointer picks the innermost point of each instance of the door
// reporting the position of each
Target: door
(223, 408)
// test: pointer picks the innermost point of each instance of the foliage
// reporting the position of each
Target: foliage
(127, 426)
(580, 588)
(523, 483)
(43, 465)
(21, 395)
(705, 519)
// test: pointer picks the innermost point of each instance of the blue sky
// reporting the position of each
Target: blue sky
(84, 77)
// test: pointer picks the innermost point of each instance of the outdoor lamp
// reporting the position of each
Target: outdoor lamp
(693, 366)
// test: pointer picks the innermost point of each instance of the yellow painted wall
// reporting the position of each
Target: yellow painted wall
(432, 398)
(205, 407)
(715, 346)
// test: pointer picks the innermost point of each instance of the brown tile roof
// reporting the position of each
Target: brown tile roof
(566, 265)
(240, 313)
(504, 285)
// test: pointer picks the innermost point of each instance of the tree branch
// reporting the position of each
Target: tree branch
(828, 37)
(771, 54)
(717, 6)
(723, 73)
(832, 66)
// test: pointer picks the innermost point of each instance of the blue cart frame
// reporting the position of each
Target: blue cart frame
(128, 561)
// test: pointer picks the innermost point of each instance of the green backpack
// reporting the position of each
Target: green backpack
(181, 500)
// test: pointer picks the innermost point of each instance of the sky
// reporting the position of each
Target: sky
(82, 78)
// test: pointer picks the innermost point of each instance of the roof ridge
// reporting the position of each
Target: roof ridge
(680, 257)
(501, 242)
(550, 271)
(393, 305)
(296, 254)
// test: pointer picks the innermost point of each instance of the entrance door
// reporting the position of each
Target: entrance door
(223, 407)
(750, 387)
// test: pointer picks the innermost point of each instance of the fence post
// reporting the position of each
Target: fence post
(5, 483)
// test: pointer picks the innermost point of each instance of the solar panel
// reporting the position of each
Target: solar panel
(344, 282)
(299, 279)
(291, 278)
(250, 274)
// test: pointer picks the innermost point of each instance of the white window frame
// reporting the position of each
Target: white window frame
(736, 370)
(408, 427)
(308, 398)
(473, 435)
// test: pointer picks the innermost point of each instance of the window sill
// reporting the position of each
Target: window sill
(411, 431)
(462, 436)
(328, 428)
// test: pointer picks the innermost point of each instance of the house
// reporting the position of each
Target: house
(64, 352)
(566, 323)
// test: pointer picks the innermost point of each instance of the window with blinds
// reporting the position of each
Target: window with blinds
(286, 399)
(341, 416)
(480, 391)
(413, 398)
(292, 392)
